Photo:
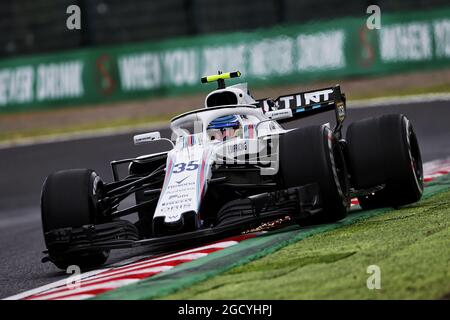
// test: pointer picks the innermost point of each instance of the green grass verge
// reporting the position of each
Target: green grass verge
(441, 88)
(410, 245)
(116, 124)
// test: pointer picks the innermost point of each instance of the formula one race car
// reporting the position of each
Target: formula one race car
(231, 167)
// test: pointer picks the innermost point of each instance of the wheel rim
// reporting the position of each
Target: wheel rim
(415, 156)
(339, 169)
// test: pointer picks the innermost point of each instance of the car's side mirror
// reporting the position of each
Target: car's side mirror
(146, 137)
(149, 137)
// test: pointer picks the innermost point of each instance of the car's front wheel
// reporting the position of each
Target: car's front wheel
(69, 199)
(313, 155)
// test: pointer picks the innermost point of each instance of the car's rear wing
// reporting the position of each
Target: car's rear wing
(303, 104)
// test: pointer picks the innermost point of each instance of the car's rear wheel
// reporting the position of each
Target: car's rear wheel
(69, 199)
(313, 155)
(384, 152)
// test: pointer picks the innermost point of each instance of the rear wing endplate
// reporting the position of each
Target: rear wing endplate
(303, 104)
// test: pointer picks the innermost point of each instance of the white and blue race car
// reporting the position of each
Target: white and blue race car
(231, 167)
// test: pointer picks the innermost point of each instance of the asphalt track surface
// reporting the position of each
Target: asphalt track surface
(23, 170)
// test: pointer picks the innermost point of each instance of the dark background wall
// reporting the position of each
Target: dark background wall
(35, 26)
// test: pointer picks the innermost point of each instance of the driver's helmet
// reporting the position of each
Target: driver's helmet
(224, 128)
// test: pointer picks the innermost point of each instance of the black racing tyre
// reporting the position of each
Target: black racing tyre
(313, 155)
(69, 199)
(384, 151)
